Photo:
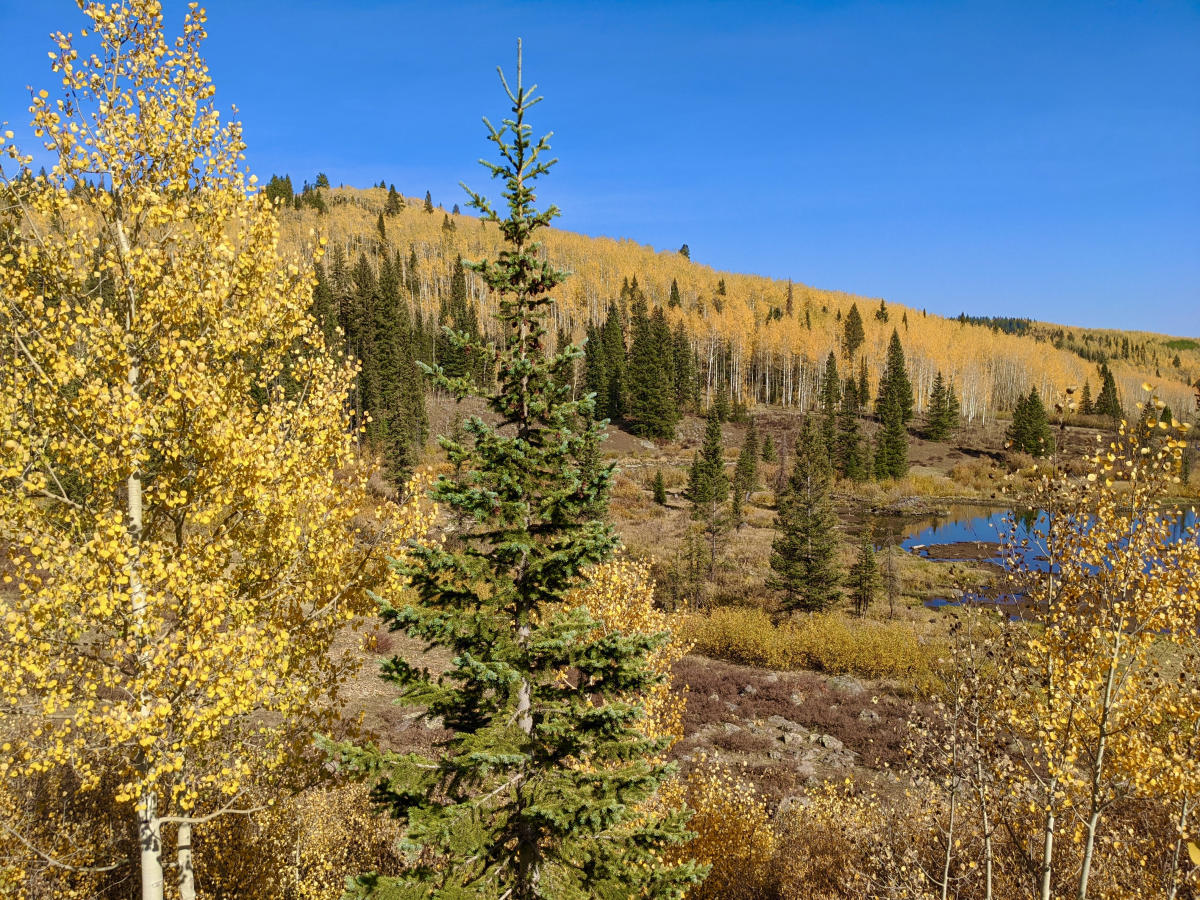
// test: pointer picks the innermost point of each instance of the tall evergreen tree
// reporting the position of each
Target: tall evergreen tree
(745, 473)
(891, 447)
(650, 374)
(864, 575)
(942, 416)
(864, 385)
(895, 386)
(539, 790)
(394, 202)
(768, 448)
(852, 332)
(595, 370)
(708, 486)
(674, 300)
(830, 390)
(1030, 430)
(1108, 403)
(659, 488)
(613, 336)
(804, 552)
(684, 360)
(1085, 400)
(852, 459)
(428, 207)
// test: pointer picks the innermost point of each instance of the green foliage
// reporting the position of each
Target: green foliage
(852, 332)
(804, 552)
(851, 450)
(1108, 403)
(708, 486)
(768, 449)
(428, 206)
(280, 189)
(943, 416)
(673, 301)
(745, 473)
(651, 373)
(895, 386)
(322, 180)
(830, 389)
(660, 489)
(540, 789)
(1030, 429)
(864, 575)
(394, 202)
(1086, 408)
(685, 252)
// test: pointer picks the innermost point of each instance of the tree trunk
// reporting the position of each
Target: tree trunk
(183, 850)
(150, 846)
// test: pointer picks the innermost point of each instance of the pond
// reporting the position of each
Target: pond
(974, 533)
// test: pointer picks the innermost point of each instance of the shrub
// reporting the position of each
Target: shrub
(828, 643)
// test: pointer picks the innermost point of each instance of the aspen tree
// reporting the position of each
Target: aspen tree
(181, 548)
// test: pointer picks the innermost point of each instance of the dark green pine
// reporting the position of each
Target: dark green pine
(650, 374)
(804, 552)
(895, 384)
(852, 460)
(830, 396)
(539, 790)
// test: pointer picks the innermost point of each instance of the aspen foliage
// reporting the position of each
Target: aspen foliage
(184, 528)
(619, 595)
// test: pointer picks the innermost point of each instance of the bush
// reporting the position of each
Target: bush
(828, 642)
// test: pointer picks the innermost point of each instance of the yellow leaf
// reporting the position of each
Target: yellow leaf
(1194, 853)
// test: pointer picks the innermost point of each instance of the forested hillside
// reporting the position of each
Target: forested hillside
(763, 340)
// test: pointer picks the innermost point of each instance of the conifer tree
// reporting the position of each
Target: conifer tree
(1085, 400)
(613, 337)
(1108, 403)
(864, 385)
(660, 488)
(768, 448)
(830, 388)
(684, 360)
(685, 252)
(650, 374)
(674, 300)
(539, 790)
(894, 386)
(322, 180)
(787, 304)
(864, 575)
(852, 332)
(1030, 429)
(381, 230)
(595, 371)
(942, 416)
(881, 314)
(891, 447)
(745, 473)
(708, 486)
(394, 202)
(428, 207)
(851, 454)
(804, 552)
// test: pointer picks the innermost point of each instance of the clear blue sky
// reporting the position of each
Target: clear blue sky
(1036, 158)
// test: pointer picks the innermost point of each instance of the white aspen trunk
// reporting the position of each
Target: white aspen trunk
(148, 826)
(1093, 822)
(183, 854)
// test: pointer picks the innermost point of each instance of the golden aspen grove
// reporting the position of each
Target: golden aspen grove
(356, 549)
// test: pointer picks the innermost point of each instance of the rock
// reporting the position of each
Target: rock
(774, 754)
(829, 742)
(798, 698)
(730, 728)
(731, 706)
(784, 724)
(749, 689)
(868, 715)
(845, 684)
(435, 723)
(772, 678)
(792, 737)
(714, 696)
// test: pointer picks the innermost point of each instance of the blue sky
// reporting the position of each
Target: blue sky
(1034, 159)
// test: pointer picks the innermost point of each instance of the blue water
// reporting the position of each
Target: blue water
(993, 528)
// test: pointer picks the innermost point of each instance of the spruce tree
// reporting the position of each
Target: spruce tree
(830, 390)
(394, 202)
(708, 487)
(864, 385)
(851, 454)
(745, 473)
(1108, 403)
(804, 552)
(852, 332)
(650, 374)
(1085, 400)
(768, 448)
(1030, 430)
(659, 488)
(428, 207)
(684, 360)
(540, 788)
(939, 419)
(864, 575)
(891, 447)
(895, 386)
(613, 337)
(674, 300)
(595, 371)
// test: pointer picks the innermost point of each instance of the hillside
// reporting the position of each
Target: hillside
(751, 338)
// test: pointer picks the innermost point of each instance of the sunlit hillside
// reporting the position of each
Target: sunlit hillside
(771, 350)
